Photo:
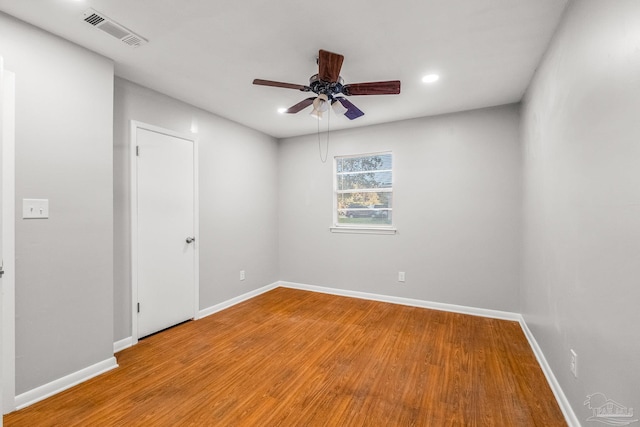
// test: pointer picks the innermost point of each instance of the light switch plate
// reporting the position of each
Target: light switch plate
(35, 208)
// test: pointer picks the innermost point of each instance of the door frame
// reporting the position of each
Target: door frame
(135, 125)
(7, 308)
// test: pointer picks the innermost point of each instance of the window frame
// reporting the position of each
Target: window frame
(365, 228)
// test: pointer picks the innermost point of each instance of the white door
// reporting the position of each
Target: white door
(165, 230)
(1, 227)
(7, 237)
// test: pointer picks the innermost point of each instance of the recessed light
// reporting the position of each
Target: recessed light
(430, 78)
(282, 110)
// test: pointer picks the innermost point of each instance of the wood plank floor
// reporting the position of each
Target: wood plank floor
(296, 358)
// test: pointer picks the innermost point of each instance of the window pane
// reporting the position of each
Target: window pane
(357, 201)
(365, 163)
(364, 180)
(364, 190)
(365, 217)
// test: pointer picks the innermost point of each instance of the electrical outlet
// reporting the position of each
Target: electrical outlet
(241, 274)
(401, 276)
(574, 363)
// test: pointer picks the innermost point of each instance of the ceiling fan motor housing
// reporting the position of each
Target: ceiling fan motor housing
(328, 88)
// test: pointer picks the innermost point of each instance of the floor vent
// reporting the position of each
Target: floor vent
(112, 28)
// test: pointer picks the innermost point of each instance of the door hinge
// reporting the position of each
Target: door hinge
(137, 150)
(138, 307)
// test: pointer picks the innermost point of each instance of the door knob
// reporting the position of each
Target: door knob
(190, 239)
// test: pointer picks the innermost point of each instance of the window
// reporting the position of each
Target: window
(363, 191)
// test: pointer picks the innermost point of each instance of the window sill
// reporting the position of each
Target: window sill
(363, 230)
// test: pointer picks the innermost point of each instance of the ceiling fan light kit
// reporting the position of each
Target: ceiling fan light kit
(338, 108)
(328, 85)
(320, 105)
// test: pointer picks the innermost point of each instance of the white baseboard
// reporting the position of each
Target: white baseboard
(561, 398)
(233, 301)
(484, 312)
(39, 393)
(122, 344)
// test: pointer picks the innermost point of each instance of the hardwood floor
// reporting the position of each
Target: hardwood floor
(296, 358)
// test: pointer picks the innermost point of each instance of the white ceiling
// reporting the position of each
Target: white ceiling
(208, 52)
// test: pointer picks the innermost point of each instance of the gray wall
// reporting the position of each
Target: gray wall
(457, 208)
(460, 183)
(238, 198)
(581, 133)
(64, 278)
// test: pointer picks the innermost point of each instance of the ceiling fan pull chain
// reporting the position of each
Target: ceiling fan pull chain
(327, 144)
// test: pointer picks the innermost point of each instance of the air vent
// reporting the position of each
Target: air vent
(94, 19)
(112, 28)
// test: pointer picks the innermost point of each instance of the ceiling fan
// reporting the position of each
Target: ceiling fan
(328, 86)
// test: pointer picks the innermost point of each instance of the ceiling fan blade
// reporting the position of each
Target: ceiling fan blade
(353, 112)
(300, 105)
(391, 87)
(280, 84)
(329, 65)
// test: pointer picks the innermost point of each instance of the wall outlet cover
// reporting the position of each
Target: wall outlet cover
(573, 365)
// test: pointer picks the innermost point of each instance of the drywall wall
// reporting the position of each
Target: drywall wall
(64, 264)
(581, 136)
(457, 200)
(238, 198)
